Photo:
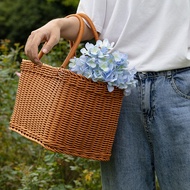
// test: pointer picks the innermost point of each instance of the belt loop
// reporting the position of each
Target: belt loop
(169, 74)
(142, 75)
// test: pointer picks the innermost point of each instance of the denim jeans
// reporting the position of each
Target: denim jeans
(153, 135)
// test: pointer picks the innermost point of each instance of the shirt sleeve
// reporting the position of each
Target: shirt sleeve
(96, 10)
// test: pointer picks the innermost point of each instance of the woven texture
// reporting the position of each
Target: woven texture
(65, 112)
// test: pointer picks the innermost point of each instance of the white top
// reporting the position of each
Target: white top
(154, 33)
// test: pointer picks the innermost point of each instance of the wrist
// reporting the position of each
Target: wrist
(69, 27)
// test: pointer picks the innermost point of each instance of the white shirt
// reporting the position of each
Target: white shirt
(154, 33)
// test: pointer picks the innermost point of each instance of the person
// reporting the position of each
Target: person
(153, 134)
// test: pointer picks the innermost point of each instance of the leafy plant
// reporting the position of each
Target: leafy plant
(19, 18)
(25, 165)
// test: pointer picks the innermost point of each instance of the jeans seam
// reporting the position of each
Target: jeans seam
(172, 82)
(146, 128)
(149, 113)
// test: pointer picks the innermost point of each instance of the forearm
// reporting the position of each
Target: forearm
(69, 28)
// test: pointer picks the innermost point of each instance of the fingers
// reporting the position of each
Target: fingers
(50, 36)
(50, 43)
(31, 47)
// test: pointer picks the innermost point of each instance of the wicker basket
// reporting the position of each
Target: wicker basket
(65, 112)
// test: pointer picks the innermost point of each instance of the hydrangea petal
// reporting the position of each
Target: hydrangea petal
(95, 50)
(110, 88)
(91, 62)
(89, 46)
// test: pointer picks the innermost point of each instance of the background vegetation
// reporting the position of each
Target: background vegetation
(25, 165)
(19, 17)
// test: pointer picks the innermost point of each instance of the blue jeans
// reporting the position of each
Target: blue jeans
(153, 135)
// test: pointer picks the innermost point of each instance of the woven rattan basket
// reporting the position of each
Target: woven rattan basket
(65, 112)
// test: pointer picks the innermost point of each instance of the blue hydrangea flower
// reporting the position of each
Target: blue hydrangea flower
(100, 64)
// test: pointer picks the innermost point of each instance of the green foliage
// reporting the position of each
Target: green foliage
(18, 18)
(25, 165)
(8, 66)
(58, 171)
(67, 3)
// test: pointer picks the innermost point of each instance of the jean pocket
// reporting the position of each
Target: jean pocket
(181, 83)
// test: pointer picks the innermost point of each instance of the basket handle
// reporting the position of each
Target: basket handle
(74, 45)
(91, 24)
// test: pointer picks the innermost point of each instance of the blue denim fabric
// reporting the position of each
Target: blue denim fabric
(153, 135)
